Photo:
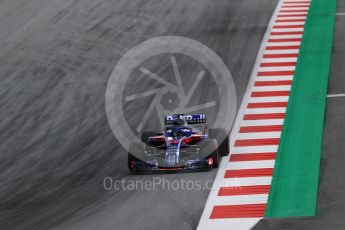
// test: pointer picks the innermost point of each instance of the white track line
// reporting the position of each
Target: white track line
(244, 181)
(273, 60)
(283, 43)
(275, 78)
(235, 223)
(290, 51)
(292, 17)
(290, 23)
(291, 3)
(290, 13)
(269, 99)
(335, 95)
(277, 68)
(262, 122)
(286, 36)
(251, 164)
(299, 1)
(295, 8)
(271, 88)
(288, 30)
(246, 136)
(255, 149)
(265, 110)
(241, 199)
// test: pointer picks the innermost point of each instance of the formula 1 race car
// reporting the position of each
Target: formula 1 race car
(184, 144)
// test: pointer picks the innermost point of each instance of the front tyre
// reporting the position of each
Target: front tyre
(131, 162)
(208, 147)
(222, 137)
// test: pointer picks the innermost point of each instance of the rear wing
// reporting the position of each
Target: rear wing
(196, 121)
(190, 119)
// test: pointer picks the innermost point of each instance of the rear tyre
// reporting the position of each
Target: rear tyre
(146, 135)
(208, 148)
(222, 137)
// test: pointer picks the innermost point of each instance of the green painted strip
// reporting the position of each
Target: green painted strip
(295, 182)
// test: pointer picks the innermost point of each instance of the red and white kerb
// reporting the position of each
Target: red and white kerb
(239, 195)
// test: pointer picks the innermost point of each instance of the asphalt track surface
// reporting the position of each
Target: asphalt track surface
(331, 202)
(56, 148)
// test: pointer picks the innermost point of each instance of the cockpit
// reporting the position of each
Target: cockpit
(177, 132)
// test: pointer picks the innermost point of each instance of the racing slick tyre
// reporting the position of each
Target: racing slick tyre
(131, 162)
(222, 137)
(209, 146)
(215, 158)
(146, 135)
(131, 158)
